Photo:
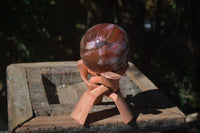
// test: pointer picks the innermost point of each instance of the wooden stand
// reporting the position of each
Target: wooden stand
(105, 84)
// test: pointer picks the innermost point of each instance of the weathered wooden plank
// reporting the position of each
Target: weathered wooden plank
(139, 78)
(128, 87)
(47, 64)
(164, 120)
(19, 104)
(38, 98)
(150, 90)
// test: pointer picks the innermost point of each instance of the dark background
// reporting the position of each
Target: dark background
(164, 37)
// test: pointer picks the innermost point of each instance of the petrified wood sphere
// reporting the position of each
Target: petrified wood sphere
(105, 47)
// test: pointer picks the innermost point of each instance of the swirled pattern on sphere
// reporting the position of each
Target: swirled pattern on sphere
(105, 47)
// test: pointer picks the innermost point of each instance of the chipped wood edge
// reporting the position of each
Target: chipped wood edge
(19, 104)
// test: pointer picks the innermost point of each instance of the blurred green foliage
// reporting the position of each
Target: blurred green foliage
(164, 37)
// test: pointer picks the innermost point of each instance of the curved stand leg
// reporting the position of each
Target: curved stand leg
(122, 106)
(86, 102)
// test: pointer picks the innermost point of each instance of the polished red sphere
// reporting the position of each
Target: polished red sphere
(105, 47)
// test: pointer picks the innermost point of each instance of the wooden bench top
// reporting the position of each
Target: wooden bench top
(41, 97)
